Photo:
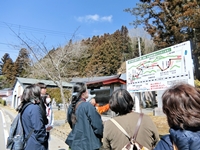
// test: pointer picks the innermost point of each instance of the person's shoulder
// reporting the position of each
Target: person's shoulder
(164, 143)
(146, 117)
(86, 104)
(32, 109)
(136, 115)
(33, 106)
(108, 125)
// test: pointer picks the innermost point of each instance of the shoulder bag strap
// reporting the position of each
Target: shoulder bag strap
(120, 127)
(24, 107)
(136, 130)
(78, 104)
(138, 126)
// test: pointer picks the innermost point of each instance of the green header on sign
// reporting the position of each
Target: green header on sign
(149, 55)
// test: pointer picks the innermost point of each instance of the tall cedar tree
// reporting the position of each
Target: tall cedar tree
(8, 69)
(170, 22)
(105, 61)
(126, 44)
(22, 63)
(122, 42)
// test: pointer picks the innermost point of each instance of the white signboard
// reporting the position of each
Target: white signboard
(161, 69)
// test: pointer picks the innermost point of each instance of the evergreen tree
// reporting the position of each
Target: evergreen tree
(8, 69)
(122, 42)
(3, 82)
(22, 63)
(105, 61)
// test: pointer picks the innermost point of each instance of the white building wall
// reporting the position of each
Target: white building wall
(17, 92)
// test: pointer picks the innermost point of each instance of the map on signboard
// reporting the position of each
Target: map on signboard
(160, 69)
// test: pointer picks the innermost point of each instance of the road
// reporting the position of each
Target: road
(5, 123)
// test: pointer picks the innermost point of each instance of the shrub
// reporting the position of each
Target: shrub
(55, 93)
(197, 83)
(3, 102)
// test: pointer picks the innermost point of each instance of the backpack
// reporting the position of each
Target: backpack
(133, 144)
(16, 139)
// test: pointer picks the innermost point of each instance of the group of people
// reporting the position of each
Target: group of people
(181, 104)
(37, 118)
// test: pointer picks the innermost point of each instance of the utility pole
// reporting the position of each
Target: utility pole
(138, 94)
(139, 47)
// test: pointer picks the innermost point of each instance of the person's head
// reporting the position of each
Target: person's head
(121, 102)
(43, 88)
(31, 94)
(181, 104)
(79, 91)
(47, 99)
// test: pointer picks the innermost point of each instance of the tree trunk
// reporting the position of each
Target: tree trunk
(63, 99)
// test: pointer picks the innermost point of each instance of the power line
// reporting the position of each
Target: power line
(38, 30)
(2, 50)
(4, 43)
(7, 44)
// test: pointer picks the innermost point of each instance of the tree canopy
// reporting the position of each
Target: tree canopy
(8, 69)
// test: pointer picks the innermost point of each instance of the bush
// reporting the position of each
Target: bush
(55, 93)
(197, 83)
(3, 102)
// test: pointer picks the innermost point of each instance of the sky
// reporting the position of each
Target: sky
(54, 22)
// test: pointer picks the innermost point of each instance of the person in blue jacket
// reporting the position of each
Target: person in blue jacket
(32, 119)
(181, 104)
(85, 121)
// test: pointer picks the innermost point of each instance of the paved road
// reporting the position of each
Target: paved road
(5, 123)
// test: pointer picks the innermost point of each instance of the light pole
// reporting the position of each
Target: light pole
(195, 44)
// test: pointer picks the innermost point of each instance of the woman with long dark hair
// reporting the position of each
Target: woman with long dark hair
(85, 121)
(32, 119)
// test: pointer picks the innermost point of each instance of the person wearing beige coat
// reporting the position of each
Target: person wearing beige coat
(121, 103)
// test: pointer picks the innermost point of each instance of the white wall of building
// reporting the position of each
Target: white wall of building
(17, 92)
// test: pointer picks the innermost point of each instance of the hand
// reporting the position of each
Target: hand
(93, 102)
(49, 128)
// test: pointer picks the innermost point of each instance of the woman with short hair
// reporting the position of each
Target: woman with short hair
(122, 103)
(181, 104)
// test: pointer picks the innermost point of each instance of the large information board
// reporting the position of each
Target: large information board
(161, 69)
